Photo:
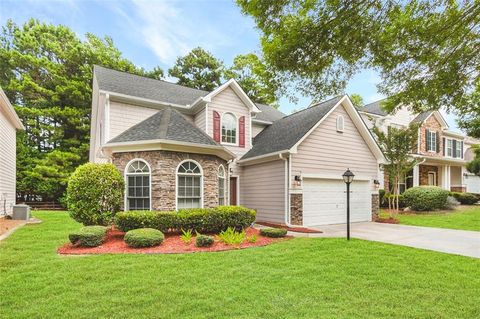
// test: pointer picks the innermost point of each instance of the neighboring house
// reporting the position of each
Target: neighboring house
(180, 147)
(443, 154)
(9, 124)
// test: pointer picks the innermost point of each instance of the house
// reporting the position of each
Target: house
(9, 124)
(180, 147)
(442, 154)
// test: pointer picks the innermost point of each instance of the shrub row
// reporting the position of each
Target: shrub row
(273, 232)
(424, 198)
(88, 236)
(465, 198)
(143, 237)
(207, 220)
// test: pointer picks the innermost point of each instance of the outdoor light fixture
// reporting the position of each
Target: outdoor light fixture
(298, 178)
(376, 182)
(348, 179)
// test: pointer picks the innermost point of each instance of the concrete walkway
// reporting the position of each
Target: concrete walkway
(459, 242)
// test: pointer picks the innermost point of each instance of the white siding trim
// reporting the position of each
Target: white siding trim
(201, 181)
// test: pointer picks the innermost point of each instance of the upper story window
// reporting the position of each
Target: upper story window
(453, 148)
(449, 147)
(340, 123)
(431, 139)
(229, 128)
(137, 176)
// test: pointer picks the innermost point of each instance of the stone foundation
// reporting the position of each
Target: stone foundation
(164, 165)
(458, 189)
(375, 206)
(296, 209)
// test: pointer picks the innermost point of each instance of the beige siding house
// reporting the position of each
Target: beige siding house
(179, 147)
(9, 124)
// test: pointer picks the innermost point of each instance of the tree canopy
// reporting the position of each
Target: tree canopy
(426, 51)
(46, 72)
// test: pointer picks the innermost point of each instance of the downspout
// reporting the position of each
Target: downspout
(287, 189)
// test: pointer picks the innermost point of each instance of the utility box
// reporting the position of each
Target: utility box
(21, 212)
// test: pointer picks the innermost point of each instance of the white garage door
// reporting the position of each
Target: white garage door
(324, 202)
(473, 183)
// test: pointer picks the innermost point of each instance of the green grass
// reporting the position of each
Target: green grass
(464, 217)
(300, 278)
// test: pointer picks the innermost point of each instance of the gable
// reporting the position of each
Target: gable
(325, 150)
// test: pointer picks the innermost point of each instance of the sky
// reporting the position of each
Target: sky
(155, 32)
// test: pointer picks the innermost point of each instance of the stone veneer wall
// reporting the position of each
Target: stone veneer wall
(458, 189)
(423, 172)
(375, 206)
(296, 209)
(164, 165)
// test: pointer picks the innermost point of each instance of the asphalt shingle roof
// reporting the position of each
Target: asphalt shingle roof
(286, 132)
(166, 124)
(421, 117)
(268, 113)
(374, 108)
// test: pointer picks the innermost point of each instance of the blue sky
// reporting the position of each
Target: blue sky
(151, 33)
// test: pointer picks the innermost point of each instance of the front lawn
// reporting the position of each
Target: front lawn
(300, 278)
(464, 217)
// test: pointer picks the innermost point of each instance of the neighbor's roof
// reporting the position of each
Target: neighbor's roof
(422, 117)
(374, 108)
(166, 124)
(161, 91)
(284, 133)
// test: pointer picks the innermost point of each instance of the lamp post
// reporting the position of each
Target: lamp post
(348, 179)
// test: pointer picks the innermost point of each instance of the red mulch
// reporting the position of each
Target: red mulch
(172, 244)
(388, 220)
(294, 229)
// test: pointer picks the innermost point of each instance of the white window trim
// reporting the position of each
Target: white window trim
(125, 177)
(341, 119)
(434, 145)
(237, 129)
(459, 149)
(434, 176)
(224, 184)
(446, 147)
(201, 181)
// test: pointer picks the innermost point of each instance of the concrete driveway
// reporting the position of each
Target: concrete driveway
(459, 242)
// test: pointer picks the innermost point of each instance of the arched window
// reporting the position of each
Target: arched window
(189, 185)
(340, 123)
(221, 185)
(137, 177)
(229, 128)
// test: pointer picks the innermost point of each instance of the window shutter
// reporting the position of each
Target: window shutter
(437, 140)
(454, 148)
(216, 126)
(461, 149)
(241, 131)
(427, 139)
(444, 146)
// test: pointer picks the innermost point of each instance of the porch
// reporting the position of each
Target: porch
(449, 176)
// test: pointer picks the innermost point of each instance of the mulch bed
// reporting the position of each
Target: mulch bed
(294, 229)
(8, 224)
(388, 220)
(172, 244)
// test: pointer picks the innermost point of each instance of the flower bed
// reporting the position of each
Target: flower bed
(173, 244)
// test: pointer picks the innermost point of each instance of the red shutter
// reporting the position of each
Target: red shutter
(241, 131)
(216, 126)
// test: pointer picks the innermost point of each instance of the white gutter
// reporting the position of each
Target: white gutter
(141, 99)
(262, 156)
(287, 189)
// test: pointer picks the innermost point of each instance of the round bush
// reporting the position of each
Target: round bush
(143, 237)
(95, 193)
(273, 232)
(424, 198)
(204, 241)
(88, 236)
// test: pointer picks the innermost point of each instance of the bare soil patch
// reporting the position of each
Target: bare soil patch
(8, 224)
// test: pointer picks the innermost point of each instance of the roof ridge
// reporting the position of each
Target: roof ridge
(146, 77)
(167, 113)
(311, 107)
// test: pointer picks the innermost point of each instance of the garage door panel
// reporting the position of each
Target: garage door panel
(324, 201)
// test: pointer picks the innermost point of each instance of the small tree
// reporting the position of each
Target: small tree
(95, 193)
(397, 145)
(474, 165)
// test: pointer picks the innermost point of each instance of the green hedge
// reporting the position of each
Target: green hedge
(205, 220)
(273, 232)
(465, 198)
(143, 237)
(88, 236)
(424, 198)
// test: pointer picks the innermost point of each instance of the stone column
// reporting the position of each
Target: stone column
(375, 206)
(296, 209)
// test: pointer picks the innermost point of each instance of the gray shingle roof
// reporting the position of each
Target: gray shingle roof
(286, 132)
(268, 113)
(143, 87)
(421, 117)
(374, 108)
(166, 124)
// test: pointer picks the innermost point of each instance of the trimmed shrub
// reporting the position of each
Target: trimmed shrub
(273, 232)
(143, 237)
(163, 221)
(207, 220)
(465, 198)
(88, 236)
(424, 198)
(95, 193)
(204, 241)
